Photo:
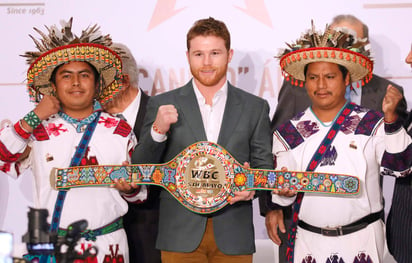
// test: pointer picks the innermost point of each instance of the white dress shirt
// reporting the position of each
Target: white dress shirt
(212, 115)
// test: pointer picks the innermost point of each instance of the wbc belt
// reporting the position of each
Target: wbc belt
(203, 178)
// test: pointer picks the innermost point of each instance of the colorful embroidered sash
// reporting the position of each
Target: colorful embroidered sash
(76, 159)
(204, 177)
(314, 162)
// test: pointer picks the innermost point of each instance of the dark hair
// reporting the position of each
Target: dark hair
(209, 27)
(95, 73)
(342, 69)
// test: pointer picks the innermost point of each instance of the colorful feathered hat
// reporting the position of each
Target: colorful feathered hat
(338, 45)
(62, 46)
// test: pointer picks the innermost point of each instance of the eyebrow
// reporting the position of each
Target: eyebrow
(72, 72)
(209, 50)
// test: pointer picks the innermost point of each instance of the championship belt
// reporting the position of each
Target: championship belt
(203, 178)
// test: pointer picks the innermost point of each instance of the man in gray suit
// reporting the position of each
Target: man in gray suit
(207, 108)
(293, 100)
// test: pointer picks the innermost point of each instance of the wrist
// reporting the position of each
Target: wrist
(32, 119)
(156, 129)
(390, 119)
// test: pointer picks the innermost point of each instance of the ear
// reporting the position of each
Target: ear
(53, 89)
(347, 79)
(230, 55)
(97, 88)
(126, 80)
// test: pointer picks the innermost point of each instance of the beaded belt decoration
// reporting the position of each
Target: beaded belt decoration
(203, 178)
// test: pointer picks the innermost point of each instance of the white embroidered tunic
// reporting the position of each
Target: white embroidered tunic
(357, 150)
(53, 144)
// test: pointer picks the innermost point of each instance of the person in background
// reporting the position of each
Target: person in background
(141, 220)
(68, 79)
(208, 108)
(398, 230)
(294, 99)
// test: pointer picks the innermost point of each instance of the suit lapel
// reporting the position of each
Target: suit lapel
(231, 116)
(140, 114)
(372, 94)
(189, 111)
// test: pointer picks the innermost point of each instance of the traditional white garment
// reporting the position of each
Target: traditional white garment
(53, 144)
(357, 150)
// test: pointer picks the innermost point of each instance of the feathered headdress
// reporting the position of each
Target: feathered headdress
(335, 45)
(61, 46)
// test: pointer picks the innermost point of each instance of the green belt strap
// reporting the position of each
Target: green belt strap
(89, 234)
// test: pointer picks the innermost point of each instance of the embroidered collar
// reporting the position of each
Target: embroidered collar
(328, 124)
(81, 125)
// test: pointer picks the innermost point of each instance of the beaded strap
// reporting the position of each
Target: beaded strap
(156, 129)
(76, 159)
(32, 119)
(203, 178)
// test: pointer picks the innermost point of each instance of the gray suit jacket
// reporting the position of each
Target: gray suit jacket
(245, 133)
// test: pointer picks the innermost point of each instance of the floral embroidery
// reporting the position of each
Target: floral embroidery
(53, 129)
(240, 179)
(108, 122)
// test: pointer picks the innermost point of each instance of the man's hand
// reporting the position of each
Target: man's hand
(48, 106)
(124, 187)
(242, 196)
(389, 103)
(285, 191)
(273, 221)
(166, 116)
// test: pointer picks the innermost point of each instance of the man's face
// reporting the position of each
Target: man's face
(75, 87)
(208, 60)
(326, 85)
(408, 58)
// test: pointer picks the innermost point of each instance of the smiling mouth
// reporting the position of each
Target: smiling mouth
(76, 92)
(208, 71)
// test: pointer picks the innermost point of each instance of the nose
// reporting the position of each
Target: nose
(321, 82)
(76, 81)
(207, 60)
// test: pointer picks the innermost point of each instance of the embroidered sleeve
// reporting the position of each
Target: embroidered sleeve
(282, 158)
(397, 158)
(13, 142)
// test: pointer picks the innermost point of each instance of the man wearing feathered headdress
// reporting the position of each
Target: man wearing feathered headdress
(334, 135)
(69, 77)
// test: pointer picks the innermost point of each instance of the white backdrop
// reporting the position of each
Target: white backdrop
(155, 31)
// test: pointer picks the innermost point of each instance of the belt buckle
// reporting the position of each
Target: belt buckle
(328, 231)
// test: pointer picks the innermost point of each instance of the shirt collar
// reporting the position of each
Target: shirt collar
(201, 100)
(81, 124)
